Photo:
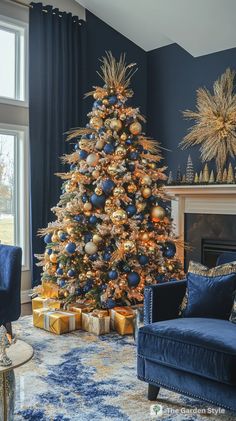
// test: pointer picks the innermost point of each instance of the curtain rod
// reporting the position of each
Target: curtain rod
(21, 3)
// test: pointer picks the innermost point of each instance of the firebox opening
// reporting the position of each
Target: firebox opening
(211, 249)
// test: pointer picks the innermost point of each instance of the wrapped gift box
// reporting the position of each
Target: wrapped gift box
(97, 322)
(49, 290)
(40, 302)
(122, 320)
(57, 322)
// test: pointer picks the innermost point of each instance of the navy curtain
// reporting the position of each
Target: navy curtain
(57, 63)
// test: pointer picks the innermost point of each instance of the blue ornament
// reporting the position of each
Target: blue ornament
(83, 154)
(109, 148)
(94, 257)
(129, 141)
(143, 260)
(48, 238)
(169, 250)
(112, 100)
(93, 220)
(103, 287)
(150, 226)
(131, 210)
(110, 303)
(133, 155)
(106, 256)
(49, 251)
(78, 218)
(98, 200)
(97, 104)
(63, 236)
(72, 167)
(140, 217)
(62, 283)
(126, 269)
(71, 273)
(59, 271)
(70, 248)
(113, 274)
(140, 148)
(160, 278)
(79, 291)
(76, 147)
(88, 285)
(133, 279)
(131, 167)
(84, 198)
(108, 185)
(92, 136)
(88, 237)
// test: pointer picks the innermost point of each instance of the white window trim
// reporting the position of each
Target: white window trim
(25, 26)
(22, 198)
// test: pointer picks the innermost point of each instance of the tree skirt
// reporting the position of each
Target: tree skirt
(82, 377)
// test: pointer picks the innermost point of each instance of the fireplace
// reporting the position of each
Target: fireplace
(205, 218)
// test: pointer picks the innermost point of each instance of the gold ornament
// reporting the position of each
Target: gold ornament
(105, 101)
(119, 217)
(107, 122)
(152, 165)
(146, 192)
(83, 144)
(98, 191)
(53, 258)
(115, 124)
(118, 191)
(144, 236)
(108, 206)
(92, 159)
(55, 237)
(99, 144)
(90, 248)
(157, 213)
(95, 174)
(141, 206)
(87, 206)
(70, 230)
(96, 123)
(97, 239)
(120, 151)
(132, 188)
(112, 169)
(146, 181)
(122, 117)
(123, 137)
(129, 246)
(135, 128)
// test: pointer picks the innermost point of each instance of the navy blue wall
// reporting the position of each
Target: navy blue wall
(173, 76)
(100, 38)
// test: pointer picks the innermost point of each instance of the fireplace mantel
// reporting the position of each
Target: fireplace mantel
(204, 199)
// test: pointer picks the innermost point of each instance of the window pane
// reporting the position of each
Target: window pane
(7, 68)
(7, 182)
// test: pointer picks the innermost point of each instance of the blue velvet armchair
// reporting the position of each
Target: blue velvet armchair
(191, 356)
(10, 283)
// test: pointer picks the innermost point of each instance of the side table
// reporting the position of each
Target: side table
(19, 353)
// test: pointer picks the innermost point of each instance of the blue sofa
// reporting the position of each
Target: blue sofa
(10, 284)
(192, 356)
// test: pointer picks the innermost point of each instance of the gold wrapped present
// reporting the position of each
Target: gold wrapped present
(57, 322)
(50, 290)
(40, 302)
(97, 322)
(122, 320)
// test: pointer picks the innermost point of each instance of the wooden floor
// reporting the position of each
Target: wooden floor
(26, 309)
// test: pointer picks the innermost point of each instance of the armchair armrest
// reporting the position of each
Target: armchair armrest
(162, 301)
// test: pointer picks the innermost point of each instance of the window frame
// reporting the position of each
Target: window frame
(19, 28)
(21, 184)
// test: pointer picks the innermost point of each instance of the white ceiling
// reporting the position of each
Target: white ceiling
(199, 26)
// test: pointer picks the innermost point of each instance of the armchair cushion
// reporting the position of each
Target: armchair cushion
(210, 292)
(205, 347)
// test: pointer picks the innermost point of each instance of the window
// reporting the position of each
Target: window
(13, 48)
(14, 188)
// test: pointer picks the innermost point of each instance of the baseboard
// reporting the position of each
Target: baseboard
(25, 298)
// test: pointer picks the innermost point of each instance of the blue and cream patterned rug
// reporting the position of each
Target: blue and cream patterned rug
(82, 377)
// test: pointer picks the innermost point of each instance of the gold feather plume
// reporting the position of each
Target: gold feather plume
(215, 121)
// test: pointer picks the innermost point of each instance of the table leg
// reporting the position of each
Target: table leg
(7, 398)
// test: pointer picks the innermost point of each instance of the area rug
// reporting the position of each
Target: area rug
(82, 377)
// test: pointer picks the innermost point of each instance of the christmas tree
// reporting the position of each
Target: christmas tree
(189, 171)
(113, 233)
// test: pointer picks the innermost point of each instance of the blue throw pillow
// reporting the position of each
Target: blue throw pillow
(210, 292)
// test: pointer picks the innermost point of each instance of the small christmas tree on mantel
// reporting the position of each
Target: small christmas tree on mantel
(113, 233)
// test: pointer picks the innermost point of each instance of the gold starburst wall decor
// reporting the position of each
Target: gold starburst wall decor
(215, 121)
